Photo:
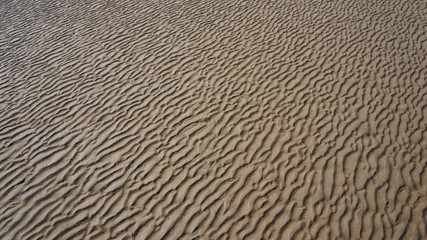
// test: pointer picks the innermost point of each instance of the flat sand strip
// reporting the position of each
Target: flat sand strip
(213, 119)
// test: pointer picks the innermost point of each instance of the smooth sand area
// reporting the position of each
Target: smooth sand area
(213, 119)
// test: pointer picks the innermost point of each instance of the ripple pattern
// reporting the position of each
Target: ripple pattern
(184, 119)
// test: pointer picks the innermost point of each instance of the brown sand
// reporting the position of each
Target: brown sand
(213, 119)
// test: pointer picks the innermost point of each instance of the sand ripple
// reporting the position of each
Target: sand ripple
(213, 119)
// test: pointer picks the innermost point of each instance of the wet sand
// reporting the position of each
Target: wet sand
(213, 119)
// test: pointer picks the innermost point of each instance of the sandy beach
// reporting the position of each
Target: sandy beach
(183, 119)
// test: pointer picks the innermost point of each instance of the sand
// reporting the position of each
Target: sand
(142, 119)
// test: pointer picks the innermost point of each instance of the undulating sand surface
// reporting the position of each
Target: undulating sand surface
(214, 119)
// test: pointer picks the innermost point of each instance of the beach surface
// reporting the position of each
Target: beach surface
(149, 119)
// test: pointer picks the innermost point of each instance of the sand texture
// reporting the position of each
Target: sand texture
(213, 119)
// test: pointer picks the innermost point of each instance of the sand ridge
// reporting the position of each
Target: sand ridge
(213, 119)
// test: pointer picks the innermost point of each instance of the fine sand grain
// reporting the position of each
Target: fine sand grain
(213, 119)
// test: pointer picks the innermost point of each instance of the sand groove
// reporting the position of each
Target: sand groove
(208, 119)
